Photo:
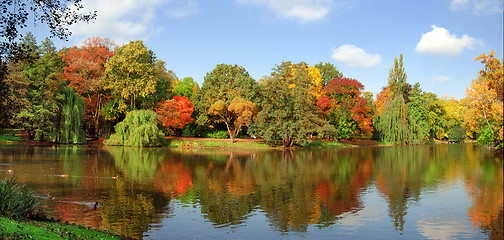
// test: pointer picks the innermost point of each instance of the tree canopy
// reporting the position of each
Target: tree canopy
(220, 87)
(288, 114)
(57, 15)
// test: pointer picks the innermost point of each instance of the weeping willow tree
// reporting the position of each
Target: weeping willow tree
(395, 125)
(138, 129)
(72, 116)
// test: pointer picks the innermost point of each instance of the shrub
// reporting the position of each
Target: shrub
(138, 129)
(456, 134)
(218, 134)
(16, 201)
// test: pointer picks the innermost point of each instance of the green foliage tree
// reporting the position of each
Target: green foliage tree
(224, 83)
(35, 89)
(328, 72)
(289, 112)
(138, 129)
(397, 78)
(130, 74)
(456, 134)
(395, 124)
(72, 116)
(185, 87)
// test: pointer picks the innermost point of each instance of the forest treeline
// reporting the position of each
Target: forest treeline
(125, 93)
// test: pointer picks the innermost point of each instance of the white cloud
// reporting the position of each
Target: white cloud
(302, 10)
(440, 79)
(125, 20)
(479, 7)
(456, 5)
(355, 57)
(440, 41)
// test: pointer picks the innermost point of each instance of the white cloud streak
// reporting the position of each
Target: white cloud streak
(125, 20)
(440, 41)
(355, 57)
(479, 7)
(301, 10)
(441, 79)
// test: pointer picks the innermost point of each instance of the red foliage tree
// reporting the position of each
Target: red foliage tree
(175, 114)
(84, 68)
(343, 105)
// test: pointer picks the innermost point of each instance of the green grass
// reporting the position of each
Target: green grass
(222, 143)
(316, 144)
(9, 138)
(29, 229)
(7, 135)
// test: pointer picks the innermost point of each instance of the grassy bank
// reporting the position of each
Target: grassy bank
(29, 229)
(216, 143)
(10, 135)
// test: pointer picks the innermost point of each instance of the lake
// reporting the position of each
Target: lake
(441, 191)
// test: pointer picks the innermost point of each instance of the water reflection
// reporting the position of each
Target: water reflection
(430, 191)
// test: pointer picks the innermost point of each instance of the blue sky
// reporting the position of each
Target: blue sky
(439, 38)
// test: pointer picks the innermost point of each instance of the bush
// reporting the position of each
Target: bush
(217, 134)
(456, 134)
(138, 129)
(16, 201)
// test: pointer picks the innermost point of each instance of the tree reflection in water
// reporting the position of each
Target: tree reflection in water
(138, 187)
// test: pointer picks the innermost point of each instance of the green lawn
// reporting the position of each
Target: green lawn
(28, 229)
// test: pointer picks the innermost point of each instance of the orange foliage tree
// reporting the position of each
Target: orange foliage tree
(484, 114)
(175, 114)
(84, 68)
(238, 114)
(344, 106)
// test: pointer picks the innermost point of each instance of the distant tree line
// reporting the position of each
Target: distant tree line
(65, 95)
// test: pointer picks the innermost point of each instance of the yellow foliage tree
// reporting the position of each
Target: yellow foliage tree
(317, 81)
(493, 72)
(238, 114)
(484, 110)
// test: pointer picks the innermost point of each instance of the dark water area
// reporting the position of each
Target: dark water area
(443, 191)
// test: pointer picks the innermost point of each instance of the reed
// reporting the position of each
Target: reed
(16, 201)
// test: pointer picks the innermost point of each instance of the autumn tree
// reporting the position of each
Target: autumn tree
(289, 113)
(239, 113)
(345, 108)
(175, 114)
(130, 74)
(221, 86)
(85, 67)
(492, 72)
(484, 114)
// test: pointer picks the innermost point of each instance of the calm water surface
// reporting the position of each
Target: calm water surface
(408, 192)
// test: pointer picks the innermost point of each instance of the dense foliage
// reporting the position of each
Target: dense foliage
(138, 129)
(223, 85)
(44, 92)
(72, 116)
(288, 113)
(396, 124)
(175, 114)
(345, 108)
